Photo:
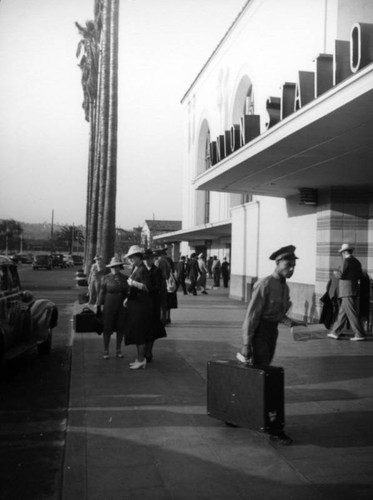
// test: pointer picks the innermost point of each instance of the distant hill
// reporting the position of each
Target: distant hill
(36, 231)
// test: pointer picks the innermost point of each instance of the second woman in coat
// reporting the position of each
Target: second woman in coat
(113, 292)
(139, 306)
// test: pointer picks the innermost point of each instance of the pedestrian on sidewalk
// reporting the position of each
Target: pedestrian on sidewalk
(165, 267)
(113, 291)
(268, 306)
(201, 282)
(193, 273)
(96, 273)
(139, 306)
(157, 330)
(216, 269)
(225, 272)
(171, 286)
(348, 292)
(181, 274)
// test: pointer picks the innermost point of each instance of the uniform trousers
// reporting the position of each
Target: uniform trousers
(264, 343)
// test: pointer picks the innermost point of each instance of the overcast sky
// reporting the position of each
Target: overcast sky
(163, 45)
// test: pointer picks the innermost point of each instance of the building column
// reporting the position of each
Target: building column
(342, 217)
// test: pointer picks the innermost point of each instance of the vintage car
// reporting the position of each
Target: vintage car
(58, 260)
(69, 262)
(78, 260)
(43, 261)
(25, 323)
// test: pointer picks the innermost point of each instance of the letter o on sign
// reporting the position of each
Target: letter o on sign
(361, 46)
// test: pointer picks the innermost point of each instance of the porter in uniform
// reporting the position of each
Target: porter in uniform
(268, 306)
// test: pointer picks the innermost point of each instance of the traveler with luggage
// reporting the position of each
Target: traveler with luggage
(268, 306)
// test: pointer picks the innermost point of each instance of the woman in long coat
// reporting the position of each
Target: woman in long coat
(139, 306)
(113, 291)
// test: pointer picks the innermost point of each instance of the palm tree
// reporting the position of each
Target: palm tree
(70, 237)
(88, 55)
(9, 231)
(99, 63)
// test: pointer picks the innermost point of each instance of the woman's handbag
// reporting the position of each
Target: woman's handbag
(87, 321)
(171, 284)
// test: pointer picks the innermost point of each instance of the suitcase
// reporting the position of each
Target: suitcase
(246, 396)
(87, 321)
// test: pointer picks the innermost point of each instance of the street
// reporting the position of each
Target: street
(34, 399)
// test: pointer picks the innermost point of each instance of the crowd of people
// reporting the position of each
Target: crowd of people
(137, 308)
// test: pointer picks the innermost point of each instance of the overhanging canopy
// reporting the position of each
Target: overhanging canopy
(210, 231)
(326, 143)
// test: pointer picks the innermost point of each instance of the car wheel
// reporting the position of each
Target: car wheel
(45, 347)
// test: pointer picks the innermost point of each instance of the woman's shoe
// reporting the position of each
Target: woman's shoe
(137, 365)
(106, 355)
(134, 362)
(149, 357)
(119, 354)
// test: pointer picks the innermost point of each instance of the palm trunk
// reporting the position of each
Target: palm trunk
(104, 118)
(91, 165)
(108, 229)
(93, 211)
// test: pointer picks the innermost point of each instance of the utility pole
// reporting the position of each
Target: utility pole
(52, 243)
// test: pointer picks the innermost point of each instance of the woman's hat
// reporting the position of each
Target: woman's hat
(115, 262)
(345, 247)
(134, 250)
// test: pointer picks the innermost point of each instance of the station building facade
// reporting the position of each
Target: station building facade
(279, 144)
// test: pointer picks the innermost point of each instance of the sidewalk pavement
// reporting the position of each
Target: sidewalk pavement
(145, 434)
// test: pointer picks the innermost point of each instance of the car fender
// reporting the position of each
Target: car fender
(44, 317)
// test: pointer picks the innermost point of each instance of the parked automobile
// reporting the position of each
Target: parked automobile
(20, 258)
(25, 323)
(78, 260)
(58, 260)
(69, 262)
(43, 261)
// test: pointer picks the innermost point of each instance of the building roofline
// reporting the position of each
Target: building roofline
(216, 49)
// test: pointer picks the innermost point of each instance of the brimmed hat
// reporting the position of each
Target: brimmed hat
(149, 253)
(200, 255)
(345, 247)
(284, 253)
(115, 262)
(134, 250)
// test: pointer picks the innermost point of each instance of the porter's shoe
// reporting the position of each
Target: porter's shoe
(356, 338)
(333, 335)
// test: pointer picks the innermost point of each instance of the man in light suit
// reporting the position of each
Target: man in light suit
(348, 292)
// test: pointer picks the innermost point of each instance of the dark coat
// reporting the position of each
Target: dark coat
(157, 330)
(139, 309)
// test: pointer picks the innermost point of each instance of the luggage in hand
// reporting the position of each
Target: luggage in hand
(246, 396)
